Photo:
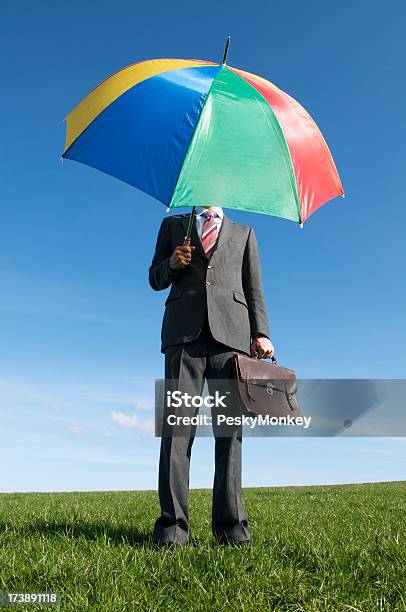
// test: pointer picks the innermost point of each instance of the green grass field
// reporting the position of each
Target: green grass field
(314, 548)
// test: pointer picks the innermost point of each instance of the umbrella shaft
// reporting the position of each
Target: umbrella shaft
(189, 227)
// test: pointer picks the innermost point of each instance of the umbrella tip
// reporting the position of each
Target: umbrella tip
(224, 62)
(168, 209)
(301, 225)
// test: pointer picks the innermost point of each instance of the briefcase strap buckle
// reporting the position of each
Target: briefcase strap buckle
(269, 388)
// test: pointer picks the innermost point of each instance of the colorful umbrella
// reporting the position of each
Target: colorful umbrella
(197, 133)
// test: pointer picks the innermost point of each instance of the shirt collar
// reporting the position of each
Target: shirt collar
(219, 212)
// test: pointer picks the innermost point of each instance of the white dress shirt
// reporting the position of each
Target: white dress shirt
(200, 219)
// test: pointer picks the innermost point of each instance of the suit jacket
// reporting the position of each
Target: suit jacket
(227, 288)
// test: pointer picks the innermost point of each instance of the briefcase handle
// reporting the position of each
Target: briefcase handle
(273, 359)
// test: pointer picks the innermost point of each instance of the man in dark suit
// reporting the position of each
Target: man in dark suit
(214, 309)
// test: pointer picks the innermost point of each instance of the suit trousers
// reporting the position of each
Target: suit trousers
(188, 366)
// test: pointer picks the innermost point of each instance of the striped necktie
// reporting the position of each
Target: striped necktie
(209, 232)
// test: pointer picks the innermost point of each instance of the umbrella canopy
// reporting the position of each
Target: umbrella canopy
(197, 133)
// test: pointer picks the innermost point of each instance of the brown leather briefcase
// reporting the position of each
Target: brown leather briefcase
(266, 388)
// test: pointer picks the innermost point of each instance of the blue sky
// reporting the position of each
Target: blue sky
(79, 325)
